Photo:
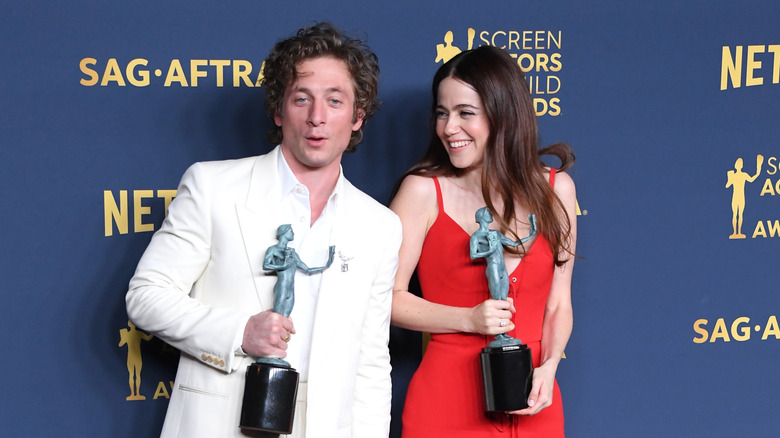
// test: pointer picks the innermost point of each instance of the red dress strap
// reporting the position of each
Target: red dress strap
(552, 176)
(438, 193)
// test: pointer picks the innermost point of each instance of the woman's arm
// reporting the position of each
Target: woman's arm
(558, 317)
(417, 207)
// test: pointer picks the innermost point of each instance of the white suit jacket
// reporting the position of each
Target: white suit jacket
(201, 278)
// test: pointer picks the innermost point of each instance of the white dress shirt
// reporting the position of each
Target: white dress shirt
(311, 243)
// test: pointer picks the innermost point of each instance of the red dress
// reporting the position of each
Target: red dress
(445, 396)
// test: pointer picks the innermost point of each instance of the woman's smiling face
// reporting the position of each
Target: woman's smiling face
(461, 123)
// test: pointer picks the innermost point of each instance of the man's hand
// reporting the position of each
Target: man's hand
(266, 335)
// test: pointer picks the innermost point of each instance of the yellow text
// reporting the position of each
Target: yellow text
(117, 212)
(750, 61)
(525, 40)
(188, 73)
(163, 391)
(739, 330)
(773, 226)
(551, 107)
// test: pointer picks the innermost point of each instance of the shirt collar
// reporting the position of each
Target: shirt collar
(288, 182)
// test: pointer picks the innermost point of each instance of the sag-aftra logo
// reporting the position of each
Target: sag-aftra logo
(751, 214)
(140, 72)
(538, 53)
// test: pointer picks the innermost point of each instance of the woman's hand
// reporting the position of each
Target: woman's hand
(486, 318)
(541, 390)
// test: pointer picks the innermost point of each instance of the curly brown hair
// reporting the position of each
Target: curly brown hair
(321, 40)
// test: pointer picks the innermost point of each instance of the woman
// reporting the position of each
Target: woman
(484, 153)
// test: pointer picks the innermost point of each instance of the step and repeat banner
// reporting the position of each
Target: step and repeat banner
(673, 110)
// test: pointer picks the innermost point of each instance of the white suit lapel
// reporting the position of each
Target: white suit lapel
(258, 218)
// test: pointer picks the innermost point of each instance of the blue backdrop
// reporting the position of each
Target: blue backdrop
(668, 105)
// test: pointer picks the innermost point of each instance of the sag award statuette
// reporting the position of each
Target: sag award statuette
(271, 383)
(507, 367)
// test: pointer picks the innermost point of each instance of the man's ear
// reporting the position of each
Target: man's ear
(277, 120)
(360, 114)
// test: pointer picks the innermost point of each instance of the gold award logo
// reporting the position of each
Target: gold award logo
(538, 54)
(446, 51)
(736, 180)
(132, 337)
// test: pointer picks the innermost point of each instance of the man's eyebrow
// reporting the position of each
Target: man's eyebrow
(327, 90)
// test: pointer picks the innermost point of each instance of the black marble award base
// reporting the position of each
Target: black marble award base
(506, 376)
(269, 396)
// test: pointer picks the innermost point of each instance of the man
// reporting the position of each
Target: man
(200, 285)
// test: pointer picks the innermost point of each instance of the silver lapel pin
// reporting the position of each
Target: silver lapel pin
(344, 260)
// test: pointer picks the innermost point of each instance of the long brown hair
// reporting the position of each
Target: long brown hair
(511, 164)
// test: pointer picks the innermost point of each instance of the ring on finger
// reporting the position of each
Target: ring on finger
(502, 323)
(287, 339)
